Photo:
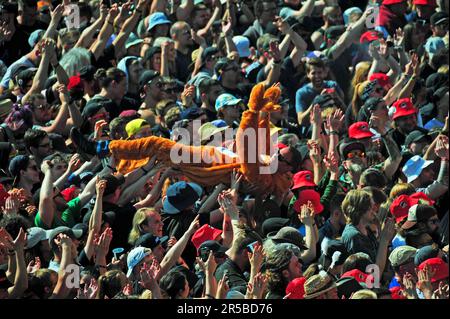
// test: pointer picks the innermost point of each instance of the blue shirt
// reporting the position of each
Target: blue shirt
(306, 94)
(433, 124)
(22, 61)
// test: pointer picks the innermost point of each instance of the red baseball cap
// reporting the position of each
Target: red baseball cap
(303, 179)
(421, 198)
(308, 195)
(281, 146)
(359, 130)
(296, 288)
(403, 107)
(431, 3)
(399, 207)
(381, 78)
(370, 36)
(438, 266)
(358, 275)
(397, 293)
(388, 2)
(204, 233)
(69, 193)
(74, 82)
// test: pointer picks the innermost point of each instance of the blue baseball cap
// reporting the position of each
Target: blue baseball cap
(135, 256)
(219, 123)
(434, 45)
(242, 45)
(180, 196)
(133, 39)
(414, 167)
(156, 19)
(226, 99)
(35, 37)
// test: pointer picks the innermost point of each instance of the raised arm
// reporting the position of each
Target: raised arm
(21, 278)
(128, 26)
(46, 205)
(87, 36)
(351, 34)
(306, 216)
(184, 10)
(158, 6)
(215, 16)
(74, 162)
(106, 31)
(61, 290)
(175, 252)
(41, 75)
(56, 16)
(306, 10)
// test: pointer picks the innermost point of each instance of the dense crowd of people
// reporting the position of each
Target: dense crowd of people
(224, 149)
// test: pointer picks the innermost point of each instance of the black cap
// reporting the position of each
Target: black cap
(327, 256)
(426, 252)
(23, 77)
(91, 108)
(209, 52)
(439, 18)
(87, 72)
(151, 241)
(272, 225)
(436, 80)
(334, 32)
(348, 145)
(303, 150)
(210, 245)
(146, 77)
(324, 100)
(17, 164)
(222, 64)
(73, 234)
(416, 136)
(347, 286)
(8, 7)
(151, 52)
(192, 113)
(440, 93)
(112, 183)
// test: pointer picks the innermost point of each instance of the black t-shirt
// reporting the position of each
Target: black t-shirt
(182, 62)
(158, 130)
(122, 224)
(236, 278)
(242, 91)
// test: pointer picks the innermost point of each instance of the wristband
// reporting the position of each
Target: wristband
(333, 133)
(209, 296)
(145, 171)
(111, 168)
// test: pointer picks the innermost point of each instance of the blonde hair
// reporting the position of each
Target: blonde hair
(443, 69)
(364, 294)
(357, 101)
(361, 74)
(139, 217)
(401, 189)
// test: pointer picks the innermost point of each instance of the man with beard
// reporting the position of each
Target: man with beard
(405, 120)
(229, 74)
(354, 161)
(422, 219)
(357, 237)
(180, 32)
(332, 16)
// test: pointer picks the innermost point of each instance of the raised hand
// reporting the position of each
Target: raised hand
(315, 152)
(98, 129)
(307, 213)
(6, 240)
(399, 37)
(424, 281)
(195, 224)
(332, 163)
(34, 265)
(222, 287)
(442, 292)
(20, 241)
(12, 204)
(74, 162)
(63, 93)
(227, 28)
(259, 285)
(282, 25)
(410, 286)
(57, 14)
(315, 115)
(335, 120)
(100, 186)
(5, 32)
(442, 148)
(198, 38)
(236, 178)
(227, 205)
(388, 231)
(256, 258)
(274, 51)
(103, 242)
(187, 96)
(211, 264)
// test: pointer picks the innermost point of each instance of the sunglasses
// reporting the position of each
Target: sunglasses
(356, 153)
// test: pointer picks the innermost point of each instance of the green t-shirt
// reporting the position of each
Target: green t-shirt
(68, 217)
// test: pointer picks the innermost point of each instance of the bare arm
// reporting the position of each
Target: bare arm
(87, 36)
(107, 30)
(42, 72)
(158, 6)
(175, 252)
(215, 16)
(128, 26)
(46, 205)
(56, 16)
(306, 10)
(306, 216)
(184, 10)
(61, 290)
(395, 157)
(21, 278)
